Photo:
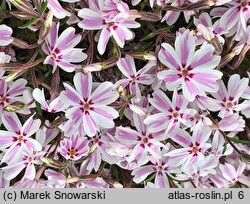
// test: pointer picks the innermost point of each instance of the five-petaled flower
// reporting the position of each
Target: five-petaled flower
(61, 51)
(191, 70)
(194, 148)
(74, 148)
(172, 114)
(17, 137)
(112, 17)
(134, 78)
(87, 111)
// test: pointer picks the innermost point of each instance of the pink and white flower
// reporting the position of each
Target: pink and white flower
(61, 51)
(112, 17)
(194, 147)
(159, 166)
(88, 112)
(230, 173)
(53, 107)
(57, 9)
(236, 16)
(172, 16)
(28, 160)
(191, 70)
(74, 148)
(142, 140)
(10, 93)
(227, 99)
(5, 35)
(134, 78)
(18, 136)
(99, 145)
(172, 114)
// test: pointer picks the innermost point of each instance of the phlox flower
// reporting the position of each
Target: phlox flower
(200, 118)
(171, 115)
(18, 136)
(99, 145)
(234, 123)
(227, 99)
(142, 140)
(88, 112)
(61, 51)
(208, 30)
(218, 149)
(191, 70)
(134, 78)
(54, 106)
(230, 173)
(160, 167)
(74, 148)
(5, 35)
(172, 16)
(55, 179)
(27, 161)
(57, 9)
(10, 93)
(112, 17)
(194, 148)
(236, 16)
(199, 173)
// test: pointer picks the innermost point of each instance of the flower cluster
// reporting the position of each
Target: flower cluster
(115, 93)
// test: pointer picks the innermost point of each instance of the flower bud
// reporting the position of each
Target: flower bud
(149, 16)
(52, 163)
(25, 6)
(45, 27)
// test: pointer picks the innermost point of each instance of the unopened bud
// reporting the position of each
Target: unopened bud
(101, 65)
(113, 183)
(149, 16)
(143, 55)
(72, 179)
(22, 44)
(236, 51)
(45, 27)
(25, 6)
(52, 163)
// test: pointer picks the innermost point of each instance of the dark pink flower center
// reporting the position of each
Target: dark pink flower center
(3, 99)
(195, 149)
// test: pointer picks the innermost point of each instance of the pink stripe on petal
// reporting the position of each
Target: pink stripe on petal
(105, 94)
(140, 174)
(11, 122)
(12, 171)
(127, 135)
(89, 125)
(30, 126)
(168, 57)
(127, 66)
(30, 172)
(57, 9)
(103, 40)
(83, 84)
